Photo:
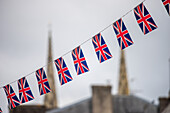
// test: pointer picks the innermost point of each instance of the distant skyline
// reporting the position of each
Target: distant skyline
(24, 46)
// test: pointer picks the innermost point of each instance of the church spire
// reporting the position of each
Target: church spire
(123, 80)
(50, 100)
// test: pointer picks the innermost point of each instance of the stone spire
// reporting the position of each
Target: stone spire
(50, 100)
(123, 80)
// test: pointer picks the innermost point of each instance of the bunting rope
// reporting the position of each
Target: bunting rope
(80, 44)
(146, 24)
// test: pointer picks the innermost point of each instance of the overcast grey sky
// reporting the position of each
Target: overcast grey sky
(24, 41)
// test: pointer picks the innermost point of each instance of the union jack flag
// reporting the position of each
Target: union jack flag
(43, 84)
(144, 19)
(63, 72)
(0, 110)
(122, 34)
(101, 49)
(13, 100)
(167, 5)
(79, 61)
(25, 93)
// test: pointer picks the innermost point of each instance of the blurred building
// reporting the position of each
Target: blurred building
(167, 109)
(164, 104)
(103, 101)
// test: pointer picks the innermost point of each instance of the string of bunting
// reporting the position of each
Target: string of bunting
(146, 24)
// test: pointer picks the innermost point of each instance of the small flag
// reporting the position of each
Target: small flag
(63, 72)
(101, 49)
(79, 61)
(166, 3)
(122, 34)
(144, 19)
(43, 84)
(0, 110)
(13, 100)
(25, 93)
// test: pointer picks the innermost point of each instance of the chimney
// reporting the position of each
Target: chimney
(101, 99)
